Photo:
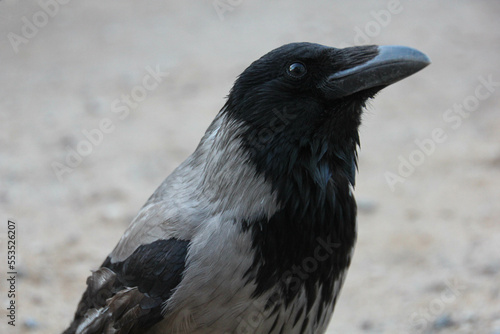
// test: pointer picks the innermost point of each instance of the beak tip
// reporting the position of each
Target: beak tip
(403, 53)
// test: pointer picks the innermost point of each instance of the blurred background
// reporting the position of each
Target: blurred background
(100, 100)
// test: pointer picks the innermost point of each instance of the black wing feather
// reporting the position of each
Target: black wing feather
(127, 296)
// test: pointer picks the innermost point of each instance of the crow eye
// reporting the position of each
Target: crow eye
(297, 70)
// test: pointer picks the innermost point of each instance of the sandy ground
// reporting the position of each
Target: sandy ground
(428, 254)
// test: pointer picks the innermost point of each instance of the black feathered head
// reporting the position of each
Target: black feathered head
(305, 94)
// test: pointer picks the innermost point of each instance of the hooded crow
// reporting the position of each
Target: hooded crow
(254, 232)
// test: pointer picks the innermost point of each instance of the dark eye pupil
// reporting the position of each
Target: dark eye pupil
(297, 69)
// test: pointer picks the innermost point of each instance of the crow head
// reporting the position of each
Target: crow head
(305, 94)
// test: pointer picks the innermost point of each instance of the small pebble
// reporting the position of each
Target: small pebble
(470, 316)
(491, 269)
(443, 321)
(31, 323)
(367, 325)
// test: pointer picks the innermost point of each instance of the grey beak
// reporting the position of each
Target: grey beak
(393, 63)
